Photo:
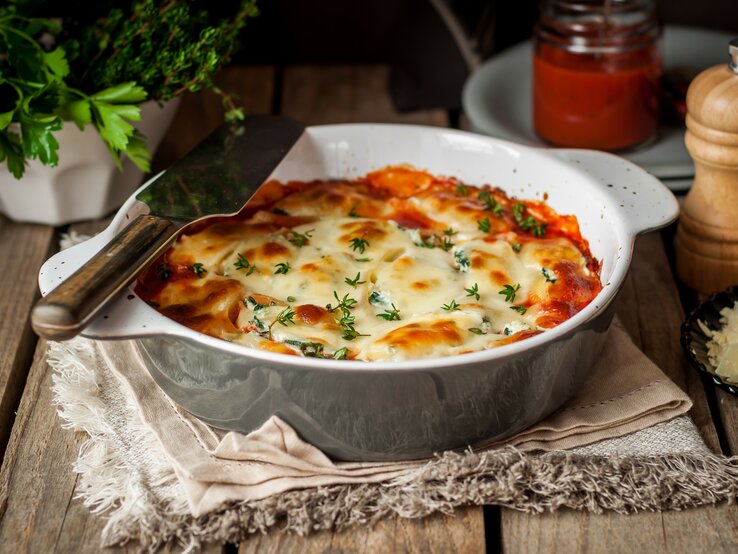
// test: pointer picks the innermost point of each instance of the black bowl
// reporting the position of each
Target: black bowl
(694, 341)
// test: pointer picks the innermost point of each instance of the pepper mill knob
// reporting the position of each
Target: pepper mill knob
(707, 236)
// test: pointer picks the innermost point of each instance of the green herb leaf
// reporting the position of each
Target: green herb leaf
(476, 331)
(390, 315)
(451, 306)
(243, 264)
(483, 225)
(462, 261)
(286, 317)
(300, 239)
(359, 244)
(450, 232)
(38, 142)
(355, 281)
(279, 211)
(282, 268)
(550, 278)
(516, 246)
(520, 309)
(462, 190)
(341, 354)
(198, 269)
(473, 291)
(291, 299)
(509, 291)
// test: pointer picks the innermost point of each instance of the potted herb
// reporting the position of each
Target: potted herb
(86, 95)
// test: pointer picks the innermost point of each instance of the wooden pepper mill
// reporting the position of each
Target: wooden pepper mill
(707, 236)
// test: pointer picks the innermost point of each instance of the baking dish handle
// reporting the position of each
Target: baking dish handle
(645, 204)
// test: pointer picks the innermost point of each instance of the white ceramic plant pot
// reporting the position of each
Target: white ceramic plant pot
(86, 183)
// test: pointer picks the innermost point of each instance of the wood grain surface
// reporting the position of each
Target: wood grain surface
(38, 508)
(23, 248)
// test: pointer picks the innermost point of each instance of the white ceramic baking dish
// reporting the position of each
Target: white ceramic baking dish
(400, 410)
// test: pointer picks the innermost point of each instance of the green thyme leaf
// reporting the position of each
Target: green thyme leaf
(390, 315)
(243, 264)
(451, 306)
(509, 291)
(359, 244)
(473, 291)
(282, 268)
(355, 281)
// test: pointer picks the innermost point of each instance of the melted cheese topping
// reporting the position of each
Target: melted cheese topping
(397, 265)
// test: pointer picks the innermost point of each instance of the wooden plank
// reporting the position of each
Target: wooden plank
(649, 290)
(437, 533)
(23, 248)
(346, 94)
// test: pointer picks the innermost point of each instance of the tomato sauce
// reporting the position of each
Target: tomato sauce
(602, 101)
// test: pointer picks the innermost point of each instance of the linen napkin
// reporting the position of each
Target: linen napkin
(623, 393)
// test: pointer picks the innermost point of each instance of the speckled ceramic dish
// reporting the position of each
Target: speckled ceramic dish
(694, 341)
(356, 410)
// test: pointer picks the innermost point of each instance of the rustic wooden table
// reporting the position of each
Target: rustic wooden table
(38, 508)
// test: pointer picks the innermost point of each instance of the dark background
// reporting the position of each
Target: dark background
(428, 67)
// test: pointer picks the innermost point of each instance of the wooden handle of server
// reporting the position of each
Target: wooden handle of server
(67, 309)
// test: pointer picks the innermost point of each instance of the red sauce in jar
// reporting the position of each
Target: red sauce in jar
(596, 83)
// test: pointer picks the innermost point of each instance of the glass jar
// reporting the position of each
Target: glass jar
(596, 73)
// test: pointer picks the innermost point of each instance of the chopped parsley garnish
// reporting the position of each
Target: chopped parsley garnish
(516, 246)
(451, 306)
(378, 299)
(291, 299)
(547, 274)
(341, 354)
(164, 271)
(355, 281)
(279, 211)
(509, 292)
(300, 239)
(520, 309)
(286, 317)
(462, 190)
(529, 223)
(476, 331)
(473, 291)
(390, 315)
(450, 232)
(259, 324)
(359, 244)
(362, 260)
(282, 268)
(243, 263)
(462, 260)
(198, 269)
(352, 211)
(256, 306)
(490, 204)
(483, 225)
(309, 349)
(446, 243)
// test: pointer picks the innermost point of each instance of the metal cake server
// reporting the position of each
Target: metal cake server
(217, 177)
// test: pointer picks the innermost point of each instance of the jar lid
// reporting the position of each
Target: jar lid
(598, 26)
